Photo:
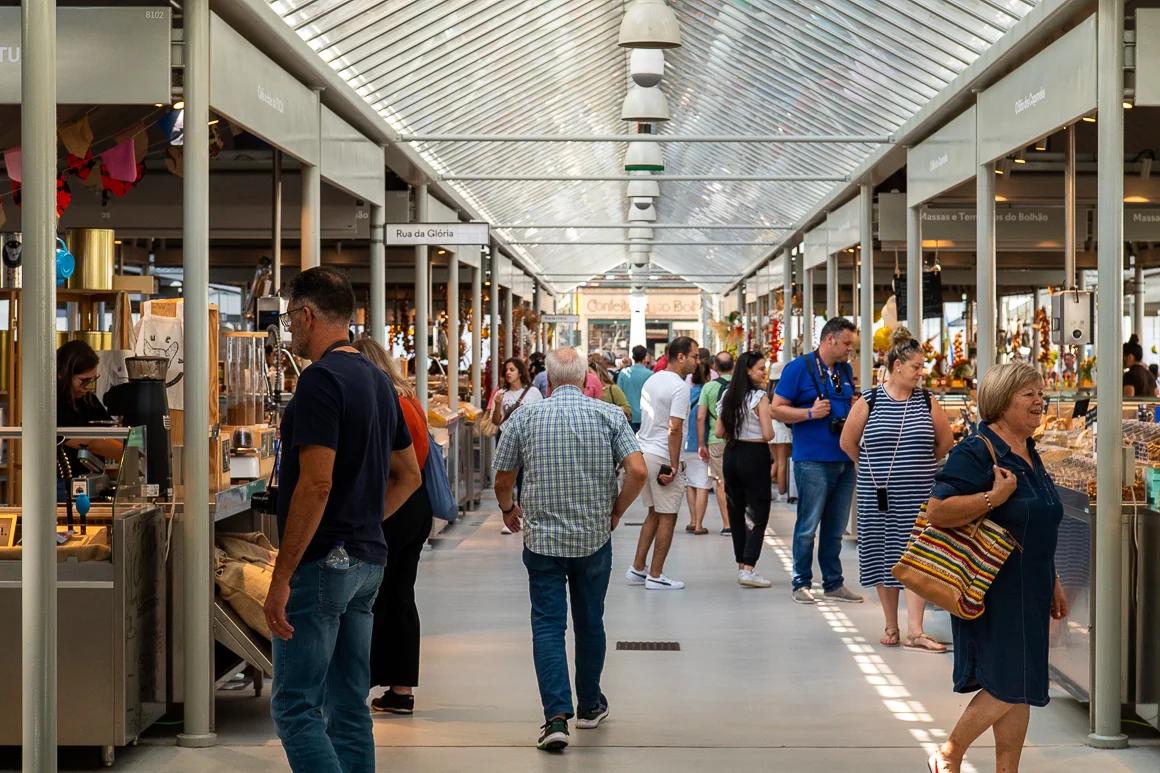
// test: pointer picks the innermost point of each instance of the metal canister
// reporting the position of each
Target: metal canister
(95, 251)
(11, 260)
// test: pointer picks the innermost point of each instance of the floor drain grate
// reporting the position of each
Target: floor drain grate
(649, 646)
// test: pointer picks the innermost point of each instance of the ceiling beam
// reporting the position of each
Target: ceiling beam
(662, 226)
(852, 139)
(737, 178)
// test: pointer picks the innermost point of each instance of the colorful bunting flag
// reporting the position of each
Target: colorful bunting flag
(77, 136)
(121, 161)
(14, 162)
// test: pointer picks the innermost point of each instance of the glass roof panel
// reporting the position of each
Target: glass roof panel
(553, 67)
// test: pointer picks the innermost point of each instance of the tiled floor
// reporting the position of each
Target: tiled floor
(760, 684)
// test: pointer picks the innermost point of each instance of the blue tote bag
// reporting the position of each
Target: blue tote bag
(439, 493)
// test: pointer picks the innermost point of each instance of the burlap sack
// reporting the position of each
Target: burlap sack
(245, 566)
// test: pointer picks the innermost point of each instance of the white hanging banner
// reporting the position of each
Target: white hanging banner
(437, 234)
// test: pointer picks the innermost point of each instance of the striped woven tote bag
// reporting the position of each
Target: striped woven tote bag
(954, 568)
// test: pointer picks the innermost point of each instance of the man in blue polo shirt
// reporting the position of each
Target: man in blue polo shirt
(814, 398)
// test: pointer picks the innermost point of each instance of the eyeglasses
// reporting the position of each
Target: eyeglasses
(86, 381)
(287, 316)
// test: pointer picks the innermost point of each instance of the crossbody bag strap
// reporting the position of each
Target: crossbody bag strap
(812, 366)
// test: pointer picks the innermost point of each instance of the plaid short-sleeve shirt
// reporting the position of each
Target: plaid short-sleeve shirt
(569, 447)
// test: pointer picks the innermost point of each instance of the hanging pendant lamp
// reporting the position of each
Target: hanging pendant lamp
(644, 157)
(647, 66)
(644, 104)
(649, 24)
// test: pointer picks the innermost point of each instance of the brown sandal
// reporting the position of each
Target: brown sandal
(701, 531)
(891, 639)
(924, 643)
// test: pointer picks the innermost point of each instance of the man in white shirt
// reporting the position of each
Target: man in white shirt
(664, 406)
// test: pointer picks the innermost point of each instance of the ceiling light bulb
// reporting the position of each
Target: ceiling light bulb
(647, 66)
(644, 157)
(1127, 105)
(1089, 119)
(641, 104)
(178, 105)
(649, 24)
(1020, 161)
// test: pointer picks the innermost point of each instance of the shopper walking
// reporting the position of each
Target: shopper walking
(664, 407)
(696, 469)
(814, 397)
(571, 448)
(631, 382)
(782, 440)
(1002, 655)
(711, 448)
(897, 435)
(746, 424)
(517, 391)
(395, 637)
(347, 463)
(611, 393)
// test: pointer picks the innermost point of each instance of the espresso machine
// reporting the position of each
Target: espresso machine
(142, 402)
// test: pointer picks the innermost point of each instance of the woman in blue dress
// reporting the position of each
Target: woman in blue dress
(1002, 655)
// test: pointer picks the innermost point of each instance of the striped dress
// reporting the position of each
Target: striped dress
(882, 536)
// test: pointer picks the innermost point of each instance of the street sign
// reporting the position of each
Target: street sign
(560, 319)
(437, 234)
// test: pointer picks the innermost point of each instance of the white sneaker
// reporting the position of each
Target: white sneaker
(752, 580)
(634, 577)
(662, 583)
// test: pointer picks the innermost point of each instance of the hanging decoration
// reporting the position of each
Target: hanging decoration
(81, 167)
(961, 369)
(77, 136)
(120, 162)
(13, 163)
(63, 195)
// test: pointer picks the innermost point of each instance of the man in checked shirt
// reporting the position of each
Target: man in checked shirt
(570, 447)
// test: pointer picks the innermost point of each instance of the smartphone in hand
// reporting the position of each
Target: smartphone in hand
(665, 470)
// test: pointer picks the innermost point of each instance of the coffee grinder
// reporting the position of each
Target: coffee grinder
(142, 402)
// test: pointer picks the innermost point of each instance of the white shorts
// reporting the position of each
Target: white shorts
(781, 432)
(696, 471)
(662, 499)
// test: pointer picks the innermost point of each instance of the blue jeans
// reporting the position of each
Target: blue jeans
(322, 675)
(550, 579)
(824, 493)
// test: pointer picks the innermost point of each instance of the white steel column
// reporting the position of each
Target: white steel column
(914, 271)
(422, 301)
(1069, 273)
(494, 317)
(832, 297)
(509, 347)
(453, 330)
(38, 389)
(477, 329)
(808, 311)
(1107, 730)
(378, 312)
(312, 206)
(985, 266)
(1138, 299)
(866, 324)
(197, 528)
(787, 311)
(743, 307)
(277, 224)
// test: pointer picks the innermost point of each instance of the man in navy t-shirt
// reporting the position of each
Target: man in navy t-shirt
(347, 464)
(813, 397)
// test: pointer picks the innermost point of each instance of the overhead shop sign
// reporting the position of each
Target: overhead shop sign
(816, 247)
(351, 161)
(437, 234)
(104, 56)
(943, 160)
(1054, 88)
(1142, 225)
(892, 217)
(1024, 227)
(844, 226)
(251, 90)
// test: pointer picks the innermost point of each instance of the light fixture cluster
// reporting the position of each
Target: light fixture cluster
(648, 28)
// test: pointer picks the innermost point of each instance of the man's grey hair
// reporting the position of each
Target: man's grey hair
(566, 367)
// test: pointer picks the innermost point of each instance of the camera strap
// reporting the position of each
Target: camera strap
(881, 491)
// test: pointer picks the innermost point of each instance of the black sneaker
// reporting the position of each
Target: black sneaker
(726, 532)
(587, 719)
(555, 735)
(393, 703)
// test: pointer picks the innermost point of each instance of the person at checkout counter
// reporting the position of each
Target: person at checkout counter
(1138, 380)
(77, 405)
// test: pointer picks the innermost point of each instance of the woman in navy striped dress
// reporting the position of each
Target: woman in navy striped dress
(896, 435)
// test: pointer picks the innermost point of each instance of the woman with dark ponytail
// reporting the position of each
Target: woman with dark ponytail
(746, 422)
(1138, 380)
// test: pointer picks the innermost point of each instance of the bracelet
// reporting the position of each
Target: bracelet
(505, 512)
(987, 497)
(809, 414)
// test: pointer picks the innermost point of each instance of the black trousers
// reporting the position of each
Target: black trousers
(748, 494)
(395, 638)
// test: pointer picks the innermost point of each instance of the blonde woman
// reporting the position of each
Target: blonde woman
(395, 636)
(1002, 655)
